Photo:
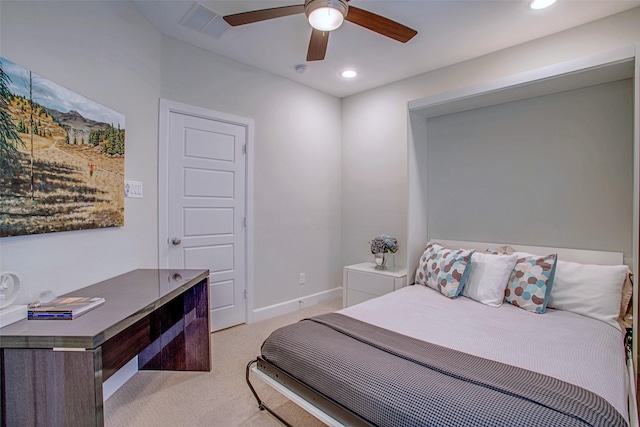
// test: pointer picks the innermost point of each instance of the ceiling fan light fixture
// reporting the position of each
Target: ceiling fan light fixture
(326, 15)
(325, 19)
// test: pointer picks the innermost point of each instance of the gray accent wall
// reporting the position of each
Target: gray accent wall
(555, 170)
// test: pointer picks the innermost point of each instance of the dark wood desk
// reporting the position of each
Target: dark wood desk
(51, 371)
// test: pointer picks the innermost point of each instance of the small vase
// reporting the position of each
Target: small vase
(381, 260)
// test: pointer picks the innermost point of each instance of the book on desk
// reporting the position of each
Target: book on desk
(63, 308)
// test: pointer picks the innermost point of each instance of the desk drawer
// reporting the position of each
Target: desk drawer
(375, 284)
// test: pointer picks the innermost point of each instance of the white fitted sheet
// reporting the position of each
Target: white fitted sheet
(573, 348)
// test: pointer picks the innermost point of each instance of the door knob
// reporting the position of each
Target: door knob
(176, 241)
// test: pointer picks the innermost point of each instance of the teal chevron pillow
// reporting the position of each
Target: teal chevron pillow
(444, 270)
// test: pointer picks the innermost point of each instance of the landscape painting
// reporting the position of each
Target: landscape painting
(61, 157)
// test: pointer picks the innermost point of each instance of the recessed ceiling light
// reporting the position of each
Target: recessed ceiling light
(348, 74)
(541, 4)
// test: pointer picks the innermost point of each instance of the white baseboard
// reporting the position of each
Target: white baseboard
(295, 304)
(118, 379)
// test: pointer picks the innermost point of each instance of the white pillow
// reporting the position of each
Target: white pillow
(488, 277)
(591, 290)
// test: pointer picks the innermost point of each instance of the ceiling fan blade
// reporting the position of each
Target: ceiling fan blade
(380, 24)
(262, 15)
(317, 45)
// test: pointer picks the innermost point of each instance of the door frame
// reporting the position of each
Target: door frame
(166, 107)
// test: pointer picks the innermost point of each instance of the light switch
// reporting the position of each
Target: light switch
(133, 189)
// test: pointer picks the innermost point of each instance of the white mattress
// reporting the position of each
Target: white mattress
(568, 346)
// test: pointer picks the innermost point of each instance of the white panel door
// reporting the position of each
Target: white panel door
(206, 208)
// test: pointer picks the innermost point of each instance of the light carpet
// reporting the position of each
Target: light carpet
(217, 398)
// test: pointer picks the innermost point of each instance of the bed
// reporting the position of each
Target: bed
(419, 357)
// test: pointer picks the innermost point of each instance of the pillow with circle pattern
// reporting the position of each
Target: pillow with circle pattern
(531, 281)
(444, 270)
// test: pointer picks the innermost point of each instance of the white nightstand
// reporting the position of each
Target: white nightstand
(361, 282)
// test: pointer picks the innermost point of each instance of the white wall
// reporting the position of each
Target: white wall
(375, 123)
(109, 53)
(297, 166)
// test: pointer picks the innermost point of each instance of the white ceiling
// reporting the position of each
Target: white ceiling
(449, 31)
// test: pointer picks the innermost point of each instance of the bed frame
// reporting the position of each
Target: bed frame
(334, 414)
(317, 404)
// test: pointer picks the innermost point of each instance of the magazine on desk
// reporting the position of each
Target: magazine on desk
(63, 308)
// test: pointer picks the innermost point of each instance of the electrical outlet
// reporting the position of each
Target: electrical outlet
(302, 279)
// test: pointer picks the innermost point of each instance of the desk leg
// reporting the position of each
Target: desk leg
(197, 328)
(51, 388)
(180, 334)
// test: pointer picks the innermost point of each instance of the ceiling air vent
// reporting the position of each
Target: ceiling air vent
(205, 20)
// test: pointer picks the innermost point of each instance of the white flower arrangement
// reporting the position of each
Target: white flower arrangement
(384, 243)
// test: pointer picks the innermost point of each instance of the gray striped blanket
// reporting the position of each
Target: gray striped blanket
(394, 380)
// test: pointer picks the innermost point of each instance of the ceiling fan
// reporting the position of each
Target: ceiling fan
(325, 16)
